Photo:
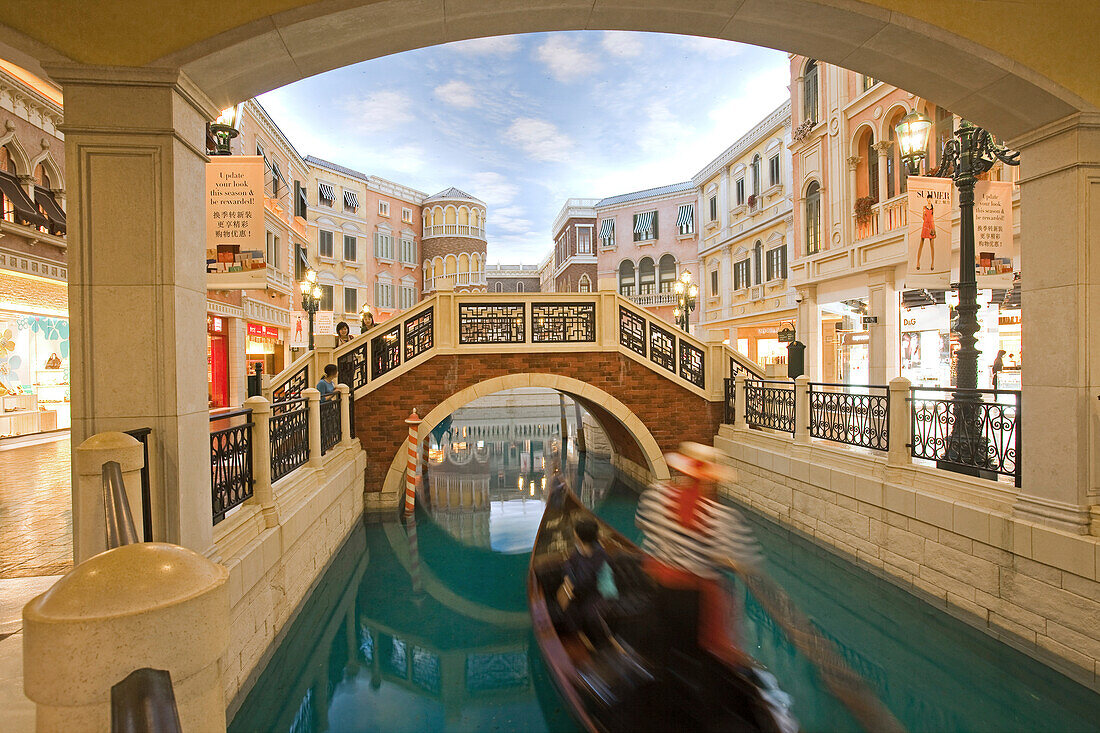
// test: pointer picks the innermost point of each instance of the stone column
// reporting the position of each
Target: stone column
(89, 522)
(802, 409)
(1059, 239)
(262, 493)
(883, 350)
(883, 148)
(900, 425)
(135, 155)
(313, 407)
(853, 186)
(345, 415)
(809, 330)
(238, 361)
(739, 401)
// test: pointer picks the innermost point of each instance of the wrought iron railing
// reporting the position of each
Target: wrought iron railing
(770, 404)
(330, 423)
(968, 431)
(230, 462)
(730, 409)
(291, 389)
(853, 414)
(289, 437)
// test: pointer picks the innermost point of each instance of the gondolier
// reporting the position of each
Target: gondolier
(689, 537)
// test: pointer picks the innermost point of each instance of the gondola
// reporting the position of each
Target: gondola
(656, 677)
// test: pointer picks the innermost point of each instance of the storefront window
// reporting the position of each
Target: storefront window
(34, 373)
(217, 361)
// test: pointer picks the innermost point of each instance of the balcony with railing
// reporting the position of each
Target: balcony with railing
(653, 300)
(256, 278)
(454, 230)
(888, 216)
(460, 280)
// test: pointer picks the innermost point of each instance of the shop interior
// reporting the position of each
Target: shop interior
(34, 373)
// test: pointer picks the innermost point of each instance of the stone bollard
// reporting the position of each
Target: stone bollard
(802, 409)
(262, 493)
(345, 415)
(900, 425)
(89, 536)
(739, 401)
(149, 604)
(313, 402)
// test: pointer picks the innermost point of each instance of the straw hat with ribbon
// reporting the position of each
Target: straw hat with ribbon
(700, 461)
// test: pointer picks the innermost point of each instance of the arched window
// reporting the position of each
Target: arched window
(666, 273)
(647, 279)
(813, 218)
(626, 278)
(756, 175)
(758, 262)
(872, 167)
(896, 171)
(809, 92)
(500, 287)
(585, 285)
(519, 287)
(7, 161)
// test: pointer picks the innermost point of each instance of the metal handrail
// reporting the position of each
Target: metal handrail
(116, 508)
(144, 702)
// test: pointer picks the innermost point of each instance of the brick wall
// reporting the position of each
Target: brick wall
(569, 279)
(443, 246)
(670, 412)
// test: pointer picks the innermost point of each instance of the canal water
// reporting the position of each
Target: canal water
(424, 626)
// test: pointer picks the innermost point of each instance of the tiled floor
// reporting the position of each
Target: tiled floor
(36, 522)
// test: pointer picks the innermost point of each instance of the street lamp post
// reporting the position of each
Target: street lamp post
(686, 294)
(224, 129)
(311, 299)
(971, 152)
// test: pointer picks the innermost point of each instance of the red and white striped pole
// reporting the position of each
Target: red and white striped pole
(413, 421)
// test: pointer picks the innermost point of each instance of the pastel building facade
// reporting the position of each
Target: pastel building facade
(645, 240)
(454, 241)
(574, 256)
(849, 260)
(512, 278)
(745, 202)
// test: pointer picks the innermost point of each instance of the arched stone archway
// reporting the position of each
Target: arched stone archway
(603, 406)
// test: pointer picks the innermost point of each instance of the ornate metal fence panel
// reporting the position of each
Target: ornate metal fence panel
(499, 323)
(731, 402)
(289, 439)
(385, 352)
(230, 464)
(980, 432)
(768, 405)
(662, 347)
(291, 389)
(419, 334)
(330, 424)
(632, 331)
(692, 364)
(569, 323)
(841, 413)
(353, 367)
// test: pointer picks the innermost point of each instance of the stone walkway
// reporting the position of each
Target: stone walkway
(36, 523)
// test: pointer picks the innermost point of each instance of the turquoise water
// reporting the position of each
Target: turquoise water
(447, 647)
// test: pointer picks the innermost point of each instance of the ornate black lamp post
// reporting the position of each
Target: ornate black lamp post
(311, 299)
(686, 293)
(971, 152)
(224, 129)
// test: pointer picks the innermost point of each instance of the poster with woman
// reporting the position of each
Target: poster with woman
(929, 232)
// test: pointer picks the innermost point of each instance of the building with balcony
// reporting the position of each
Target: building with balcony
(850, 258)
(365, 242)
(645, 240)
(512, 278)
(574, 268)
(744, 199)
(454, 241)
(34, 308)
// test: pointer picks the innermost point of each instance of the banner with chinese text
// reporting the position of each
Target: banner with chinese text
(929, 232)
(235, 233)
(993, 233)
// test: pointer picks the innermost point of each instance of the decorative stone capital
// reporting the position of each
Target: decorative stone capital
(883, 147)
(853, 162)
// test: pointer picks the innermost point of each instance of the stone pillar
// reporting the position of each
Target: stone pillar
(89, 522)
(313, 405)
(135, 156)
(900, 426)
(238, 361)
(883, 148)
(883, 351)
(739, 401)
(262, 493)
(345, 415)
(167, 608)
(1059, 239)
(724, 200)
(809, 330)
(852, 188)
(802, 409)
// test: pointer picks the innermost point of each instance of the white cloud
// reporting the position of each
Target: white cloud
(378, 111)
(541, 140)
(510, 219)
(493, 188)
(494, 46)
(714, 48)
(565, 58)
(456, 93)
(622, 44)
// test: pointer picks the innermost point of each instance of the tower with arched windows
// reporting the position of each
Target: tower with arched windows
(453, 244)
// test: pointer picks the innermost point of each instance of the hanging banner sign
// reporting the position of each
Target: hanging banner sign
(993, 233)
(235, 234)
(299, 330)
(929, 235)
(323, 324)
(256, 330)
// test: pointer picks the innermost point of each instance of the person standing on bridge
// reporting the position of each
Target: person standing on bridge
(690, 538)
(343, 333)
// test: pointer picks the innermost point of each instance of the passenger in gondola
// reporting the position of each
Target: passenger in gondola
(580, 595)
(690, 538)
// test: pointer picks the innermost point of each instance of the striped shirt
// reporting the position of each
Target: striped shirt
(720, 533)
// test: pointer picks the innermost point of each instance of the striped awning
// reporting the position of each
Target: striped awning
(351, 200)
(326, 192)
(686, 217)
(643, 222)
(302, 197)
(607, 228)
